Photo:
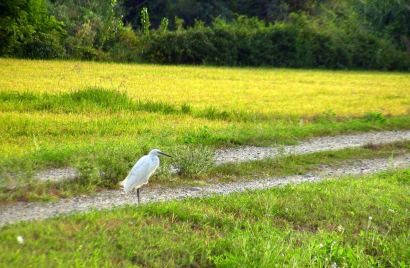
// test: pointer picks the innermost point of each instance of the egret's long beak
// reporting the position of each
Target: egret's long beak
(165, 154)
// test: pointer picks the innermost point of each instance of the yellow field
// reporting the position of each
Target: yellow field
(35, 133)
(266, 91)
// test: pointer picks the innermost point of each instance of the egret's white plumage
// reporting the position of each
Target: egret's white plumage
(142, 171)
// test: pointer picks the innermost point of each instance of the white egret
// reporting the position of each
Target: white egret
(142, 171)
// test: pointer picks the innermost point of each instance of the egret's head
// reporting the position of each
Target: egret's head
(158, 152)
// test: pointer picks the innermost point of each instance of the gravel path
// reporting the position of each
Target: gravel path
(248, 153)
(311, 146)
(57, 174)
(109, 199)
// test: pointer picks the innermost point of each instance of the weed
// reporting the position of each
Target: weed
(327, 117)
(375, 117)
(212, 113)
(186, 108)
(193, 161)
(159, 107)
(89, 174)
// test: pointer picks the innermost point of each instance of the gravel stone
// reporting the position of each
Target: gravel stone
(57, 174)
(319, 144)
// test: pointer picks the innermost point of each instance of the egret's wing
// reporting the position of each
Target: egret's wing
(139, 174)
(134, 172)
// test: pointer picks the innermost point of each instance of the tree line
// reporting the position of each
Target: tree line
(368, 34)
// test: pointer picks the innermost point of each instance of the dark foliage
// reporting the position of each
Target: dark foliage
(368, 34)
(249, 42)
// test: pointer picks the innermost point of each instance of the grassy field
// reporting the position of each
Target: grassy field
(69, 113)
(345, 223)
(277, 92)
(100, 117)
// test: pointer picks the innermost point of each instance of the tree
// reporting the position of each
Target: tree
(388, 17)
(26, 28)
(145, 23)
(207, 10)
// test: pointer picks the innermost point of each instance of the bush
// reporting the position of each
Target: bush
(375, 117)
(348, 36)
(44, 46)
(27, 30)
(88, 173)
(227, 52)
(193, 161)
(297, 43)
(126, 47)
(107, 168)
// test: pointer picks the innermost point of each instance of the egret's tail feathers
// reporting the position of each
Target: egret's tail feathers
(129, 184)
(123, 185)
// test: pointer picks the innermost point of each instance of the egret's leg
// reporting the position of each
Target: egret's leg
(138, 195)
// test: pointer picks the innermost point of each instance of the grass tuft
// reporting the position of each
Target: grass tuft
(193, 161)
(375, 117)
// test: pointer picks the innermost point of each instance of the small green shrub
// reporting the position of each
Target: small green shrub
(375, 117)
(193, 161)
(44, 46)
(165, 169)
(109, 168)
(88, 172)
(115, 164)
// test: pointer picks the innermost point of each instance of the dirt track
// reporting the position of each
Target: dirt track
(109, 199)
(249, 153)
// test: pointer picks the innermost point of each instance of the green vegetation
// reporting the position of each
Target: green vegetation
(104, 101)
(97, 172)
(371, 34)
(52, 118)
(98, 118)
(27, 30)
(350, 222)
(296, 43)
(42, 130)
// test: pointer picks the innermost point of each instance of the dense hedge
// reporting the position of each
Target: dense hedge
(347, 37)
(280, 45)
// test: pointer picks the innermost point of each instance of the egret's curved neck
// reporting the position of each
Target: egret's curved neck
(153, 156)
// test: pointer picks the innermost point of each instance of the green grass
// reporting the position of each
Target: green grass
(100, 100)
(42, 130)
(203, 172)
(52, 112)
(349, 223)
(100, 116)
